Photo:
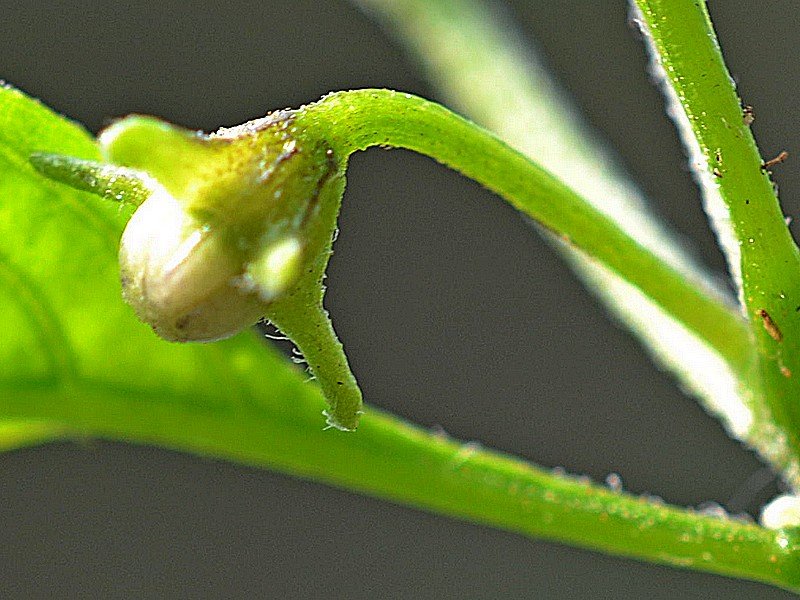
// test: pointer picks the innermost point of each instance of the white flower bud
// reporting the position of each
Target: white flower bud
(782, 512)
(224, 231)
(180, 277)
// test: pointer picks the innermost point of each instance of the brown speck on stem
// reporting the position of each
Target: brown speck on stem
(770, 326)
(748, 116)
(785, 372)
(775, 161)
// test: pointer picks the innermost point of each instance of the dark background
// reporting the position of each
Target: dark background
(453, 311)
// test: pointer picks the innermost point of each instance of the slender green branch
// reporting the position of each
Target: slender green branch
(89, 176)
(356, 120)
(312, 331)
(728, 164)
(480, 63)
(302, 318)
(393, 460)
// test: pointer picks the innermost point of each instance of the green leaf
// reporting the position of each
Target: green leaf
(17, 434)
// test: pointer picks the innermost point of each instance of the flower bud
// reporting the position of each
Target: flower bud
(228, 228)
(179, 277)
(782, 512)
(225, 231)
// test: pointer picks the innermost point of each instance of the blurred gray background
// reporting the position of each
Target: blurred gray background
(446, 300)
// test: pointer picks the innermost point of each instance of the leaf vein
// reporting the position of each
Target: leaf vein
(53, 340)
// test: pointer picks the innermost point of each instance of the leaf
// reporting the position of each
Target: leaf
(17, 434)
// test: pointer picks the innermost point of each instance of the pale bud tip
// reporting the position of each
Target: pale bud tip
(782, 512)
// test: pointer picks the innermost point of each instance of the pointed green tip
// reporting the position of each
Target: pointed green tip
(110, 182)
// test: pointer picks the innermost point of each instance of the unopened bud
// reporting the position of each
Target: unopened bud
(225, 223)
(782, 512)
(224, 233)
(179, 276)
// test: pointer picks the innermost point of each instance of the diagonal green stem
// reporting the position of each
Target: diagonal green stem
(728, 165)
(356, 120)
(391, 459)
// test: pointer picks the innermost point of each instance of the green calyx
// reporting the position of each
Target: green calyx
(249, 181)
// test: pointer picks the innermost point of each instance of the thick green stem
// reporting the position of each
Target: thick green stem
(299, 314)
(356, 120)
(312, 331)
(730, 167)
(391, 459)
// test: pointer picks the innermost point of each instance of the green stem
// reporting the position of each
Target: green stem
(391, 459)
(311, 330)
(110, 182)
(729, 164)
(356, 120)
(299, 314)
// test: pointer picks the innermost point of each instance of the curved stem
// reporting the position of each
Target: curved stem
(478, 59)
(310, 328)
(356, 120)
(299, 314)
